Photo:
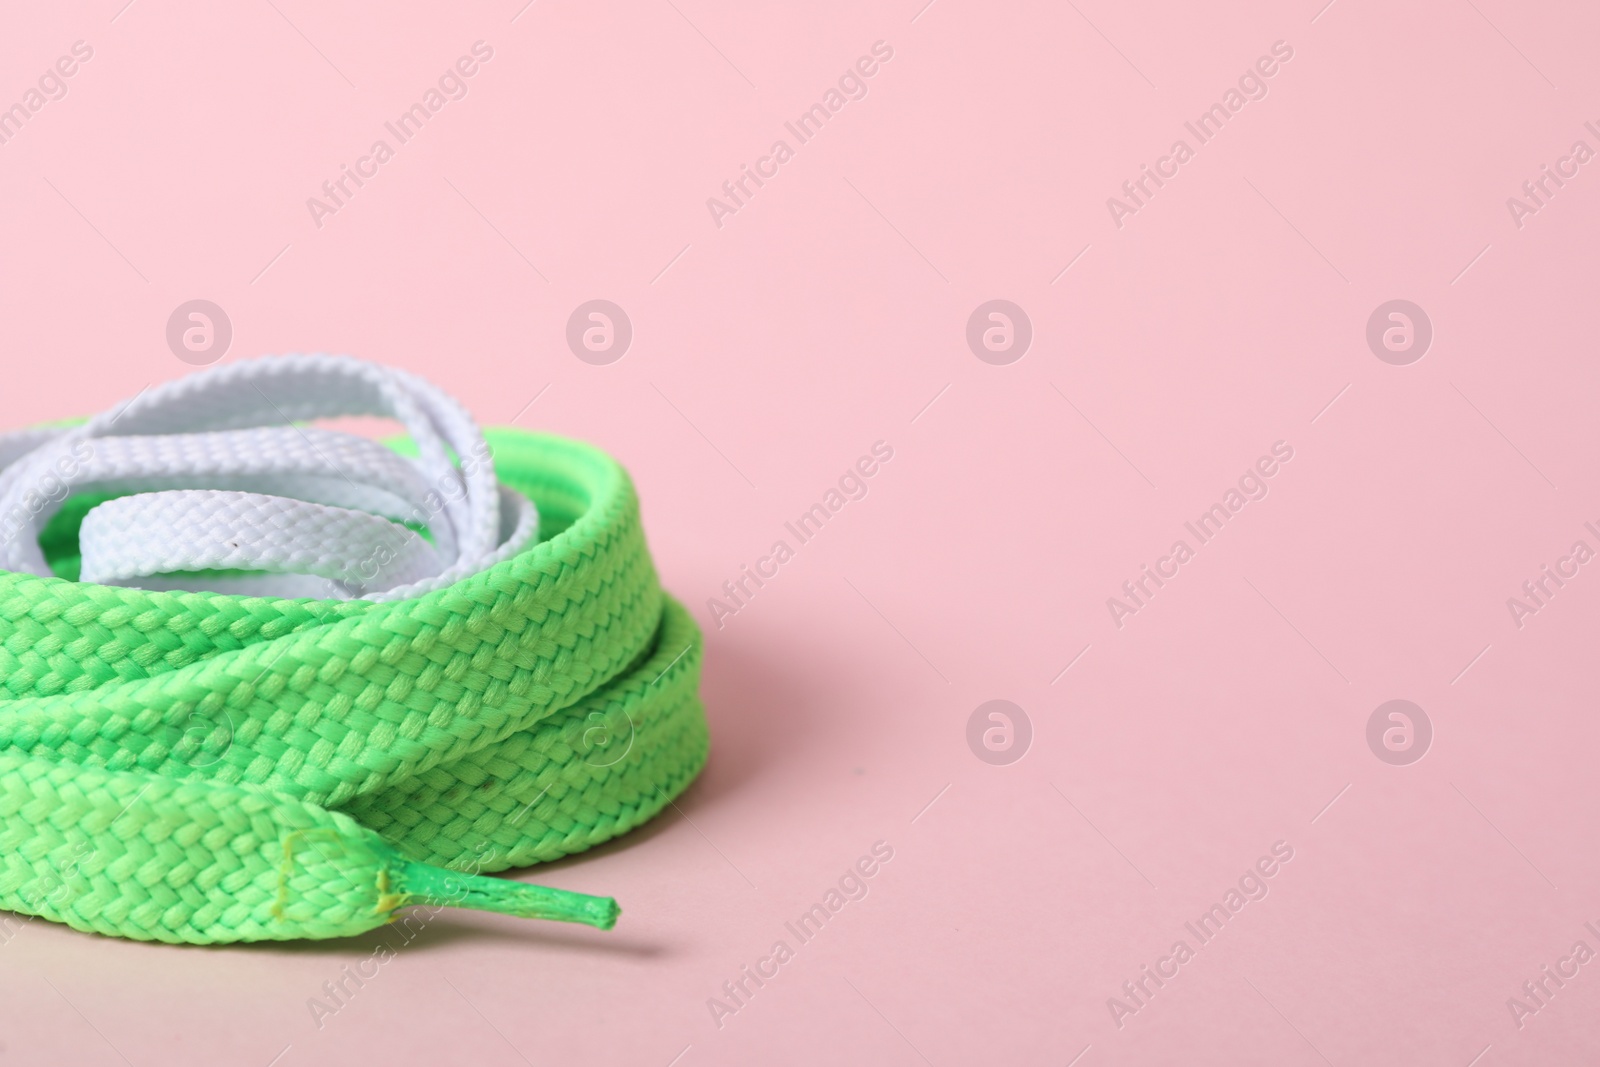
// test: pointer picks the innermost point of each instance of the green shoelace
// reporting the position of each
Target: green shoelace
(202, 768)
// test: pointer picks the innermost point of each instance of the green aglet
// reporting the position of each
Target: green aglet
(420, 883)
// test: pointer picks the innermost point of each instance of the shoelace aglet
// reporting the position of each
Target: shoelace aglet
(420, 883)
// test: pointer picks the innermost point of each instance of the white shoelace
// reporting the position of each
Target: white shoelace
(213, 474)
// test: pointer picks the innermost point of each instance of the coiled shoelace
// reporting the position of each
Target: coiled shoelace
(303, 680)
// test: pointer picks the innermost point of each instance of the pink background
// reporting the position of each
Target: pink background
(829, 313)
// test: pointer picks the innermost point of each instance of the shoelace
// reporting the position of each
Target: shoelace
(304, 681)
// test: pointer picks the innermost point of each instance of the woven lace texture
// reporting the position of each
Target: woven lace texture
(302, 677)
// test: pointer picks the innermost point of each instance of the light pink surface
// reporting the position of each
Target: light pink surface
(829, 313)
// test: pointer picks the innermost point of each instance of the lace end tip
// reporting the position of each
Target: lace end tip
(423, 884)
